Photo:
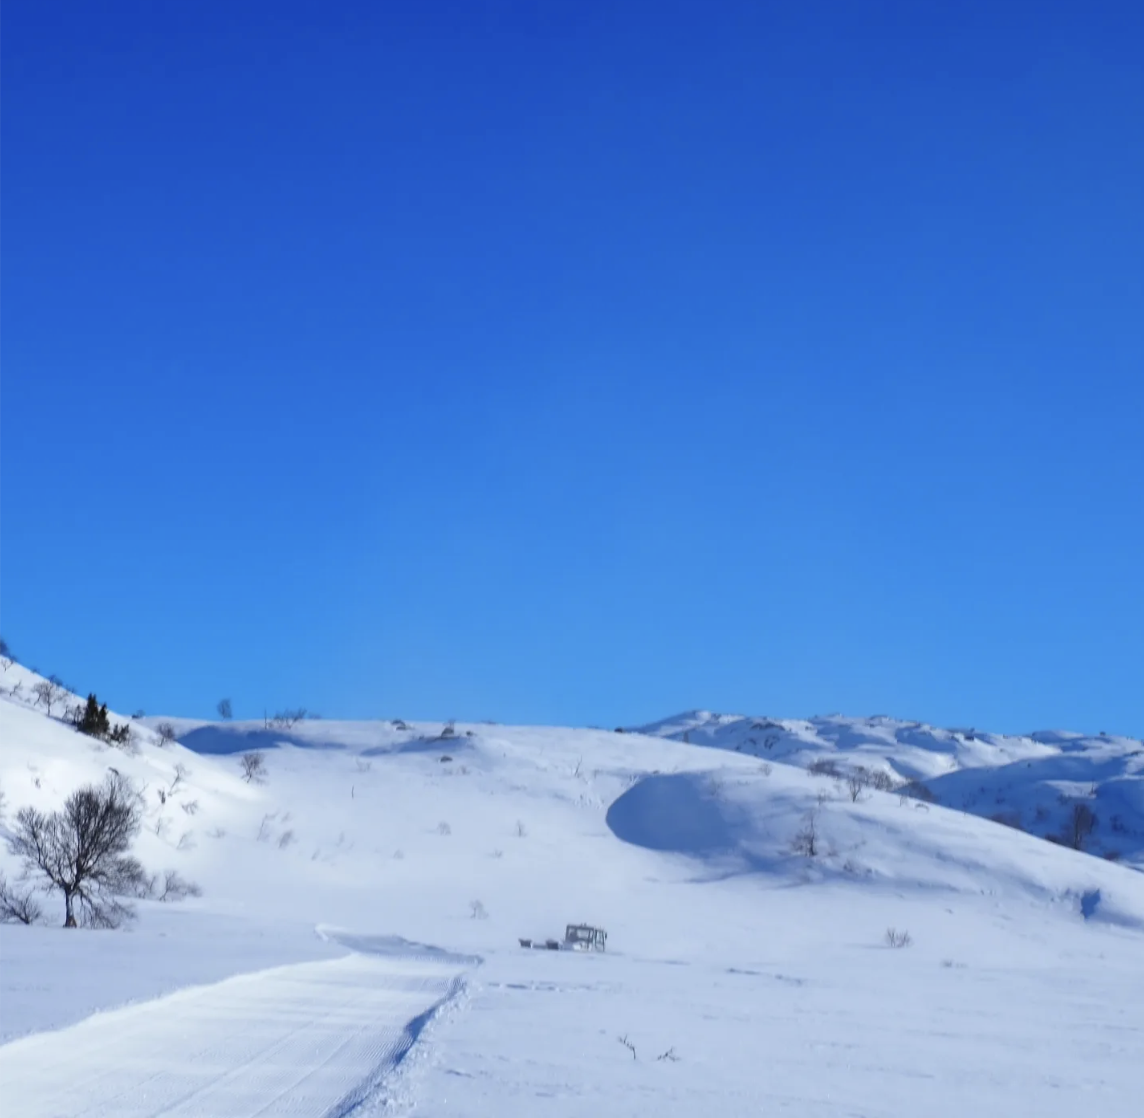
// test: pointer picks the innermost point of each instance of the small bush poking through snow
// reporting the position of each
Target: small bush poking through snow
(1079, 825)
(174, 887)
(17, 905)
(894, 938)
(805, 842)
(444, 828)
(477, 910)
(253, 767)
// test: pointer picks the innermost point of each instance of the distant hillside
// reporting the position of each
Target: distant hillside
(1042, 782)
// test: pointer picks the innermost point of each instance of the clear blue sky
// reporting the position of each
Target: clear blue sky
(577, 362)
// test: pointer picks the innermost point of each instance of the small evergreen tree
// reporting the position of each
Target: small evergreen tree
(93, 719)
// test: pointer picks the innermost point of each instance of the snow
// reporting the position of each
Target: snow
(312, 1038)
(1028, 781)
(336, 940)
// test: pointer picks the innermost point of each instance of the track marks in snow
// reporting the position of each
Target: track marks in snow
(314, 1040)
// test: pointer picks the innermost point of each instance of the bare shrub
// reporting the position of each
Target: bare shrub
(174, 887)
(521, 830)
(627, 1044)
(264, 826)
(444, 829)
(225, 710)
(285, 839)
(82, 851)
(186, 841)
(882, 781)
(1079, 826)
(18, 905)
(477, 910)
(668, 1055)
(856, 784)
(190, 807)
(287, 719)
(166, 732)
(823, 766)
(181, 774)
(894, 938)
(805, 841)
(253, 767)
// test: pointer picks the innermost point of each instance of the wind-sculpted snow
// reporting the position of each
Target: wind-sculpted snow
(1031, 782)
(755, 822)
(675, 813)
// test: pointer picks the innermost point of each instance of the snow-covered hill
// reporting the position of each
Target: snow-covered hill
(1032, 782)
(747, 902)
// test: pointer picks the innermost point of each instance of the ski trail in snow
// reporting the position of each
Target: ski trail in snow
(313, 1040)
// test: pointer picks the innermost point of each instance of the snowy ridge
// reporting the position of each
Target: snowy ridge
(1029, 782)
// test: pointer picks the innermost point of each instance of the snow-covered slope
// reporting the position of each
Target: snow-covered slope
(756, 968)
(1031, 782)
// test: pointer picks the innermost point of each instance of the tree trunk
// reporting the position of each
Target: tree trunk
(69, 913)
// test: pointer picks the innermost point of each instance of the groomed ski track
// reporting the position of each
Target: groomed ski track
(312, 1040)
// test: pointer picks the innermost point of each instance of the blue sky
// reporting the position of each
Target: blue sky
(577, 363)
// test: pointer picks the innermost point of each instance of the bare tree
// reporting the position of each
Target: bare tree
(82, 851)
(48, 693)
(1079, 825)
(288, 719)
(805, 842)
(17, 906)
(225, 710)
(253, 767)
(181, 774)
(856, 782)
(166, 732)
